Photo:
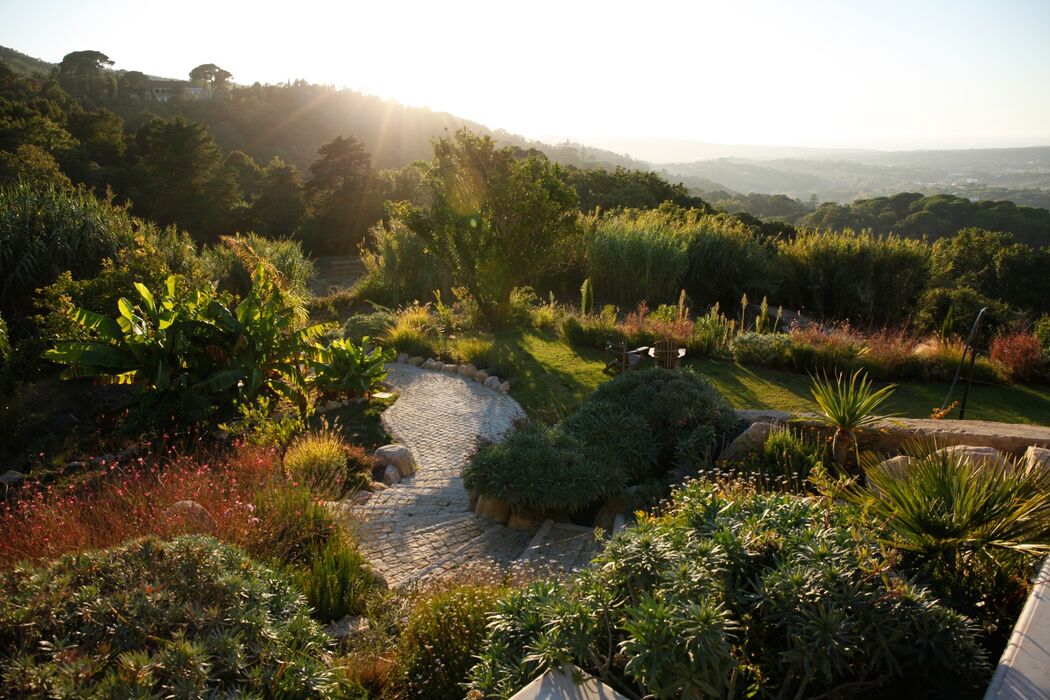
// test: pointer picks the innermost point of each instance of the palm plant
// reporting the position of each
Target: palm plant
(848, 407)
(970, 527)
(949, 504)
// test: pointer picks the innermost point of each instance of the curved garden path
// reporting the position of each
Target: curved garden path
(424, 524)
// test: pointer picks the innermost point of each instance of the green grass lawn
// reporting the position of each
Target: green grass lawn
(550, 378)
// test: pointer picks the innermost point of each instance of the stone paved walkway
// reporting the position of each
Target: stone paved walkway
(424, 524)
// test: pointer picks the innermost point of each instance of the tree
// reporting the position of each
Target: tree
(82, 74)
(132, 83)
(178, 162)
(340, 190)
(496, 220)
(278, 209)
(210, 76)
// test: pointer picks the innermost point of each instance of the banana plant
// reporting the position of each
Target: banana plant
(348, 368)
(198, 343)
(151, 342)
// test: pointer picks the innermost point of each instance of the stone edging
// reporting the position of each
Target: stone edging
(467, 371)
(1024, 669)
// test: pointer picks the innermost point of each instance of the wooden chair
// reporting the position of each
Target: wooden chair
(666, 355)
(619, 359)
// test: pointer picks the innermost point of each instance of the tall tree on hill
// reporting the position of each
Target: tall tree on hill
(211, 77)
(496, 220)
(179, 178)
(82, 74)
(340, 192)
(278, 208)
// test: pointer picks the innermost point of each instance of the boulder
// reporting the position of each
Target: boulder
(492, 382)
(895, 465)
(525, 520)
(448, 368)
(399, 457)
(333, 405)
(1037, 458)
(748, 442)
(12, 478)
(431, 364)
(376, 486)
(613, 508)
(493, 508)
(403, 358)
(504, 387)
(468, 370)
(348, 628)
(416, 361)
(976, 455)
(391, 476)
(359, 497)
(481, 376)
(191, 513)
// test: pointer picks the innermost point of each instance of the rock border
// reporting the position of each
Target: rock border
(467, 372)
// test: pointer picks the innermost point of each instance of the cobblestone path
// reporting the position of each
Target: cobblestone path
(424, 525)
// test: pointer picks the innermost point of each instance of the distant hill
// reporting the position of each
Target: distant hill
(24, 65)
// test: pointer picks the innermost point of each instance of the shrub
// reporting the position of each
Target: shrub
(636, 256)
(814, 349)
(890, 353)
(318, 461)
(673, 405)
(414, 332)
(857, 276)
(398, 267)
(778, 594)
(940, 359)
(592, 331)
(1019, 357)
(787, 453)
(192, 349)
(1041, 330)
(373, 324)
(614, 439)
(294, 526)
(726, 261)
(765, 349)
(346, 368)
(150, 259)
(337, 581)
(712, 333)
(443, 634)
(959, 305)
(545, 316)
(539, 467)
(44, 522)
(476, 351)
(232, 264)
(188, 618)
(45, 231)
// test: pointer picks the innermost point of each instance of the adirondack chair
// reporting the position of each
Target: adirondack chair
(666, 355)
(619, 359)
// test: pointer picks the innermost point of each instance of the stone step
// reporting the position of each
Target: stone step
(561, 545)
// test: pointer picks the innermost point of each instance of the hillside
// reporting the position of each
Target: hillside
(24, 65)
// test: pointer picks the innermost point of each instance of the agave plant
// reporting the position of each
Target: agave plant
(348, 368)
(848, 406)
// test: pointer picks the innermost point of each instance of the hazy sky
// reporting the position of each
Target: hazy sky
(881, 74)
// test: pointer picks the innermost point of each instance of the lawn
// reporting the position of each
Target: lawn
(550, 378)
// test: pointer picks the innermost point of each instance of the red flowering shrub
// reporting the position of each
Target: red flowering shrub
(136, 500)
(1019, 357)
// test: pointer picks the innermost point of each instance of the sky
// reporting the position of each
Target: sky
(832, 73)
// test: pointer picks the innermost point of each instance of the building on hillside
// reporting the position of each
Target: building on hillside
(164, 90)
